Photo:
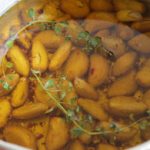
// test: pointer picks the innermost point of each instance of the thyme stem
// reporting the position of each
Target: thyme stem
(30, 24)
(74, 121)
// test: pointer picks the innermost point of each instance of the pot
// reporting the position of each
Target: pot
(5, 5)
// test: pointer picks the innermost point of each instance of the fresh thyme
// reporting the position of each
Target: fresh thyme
(9, 65)
(76, 132)
(10, 43)
(78, 127)
(84, 35)
(49, 84)
(31, 13)
(92, 43)
(6, 86)
(113, 125)
(60, 27)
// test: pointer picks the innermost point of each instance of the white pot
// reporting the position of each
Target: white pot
(4, 6)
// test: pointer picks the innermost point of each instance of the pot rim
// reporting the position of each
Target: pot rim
(5, 5)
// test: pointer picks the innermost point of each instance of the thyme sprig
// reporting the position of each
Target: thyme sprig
(79, 128)
(92, 43)
(9, 43)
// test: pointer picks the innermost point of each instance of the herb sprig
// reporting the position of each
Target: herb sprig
(92, 43)
(71, 116)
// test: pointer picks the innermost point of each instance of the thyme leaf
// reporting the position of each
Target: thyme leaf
(49, 84)
(6, 86)
(10, 64)
(113, 125)
(95, 41)
(84, 35)
(31, 13)
(64, 24)
(58, 30)
(76, 132)
(9, 43)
